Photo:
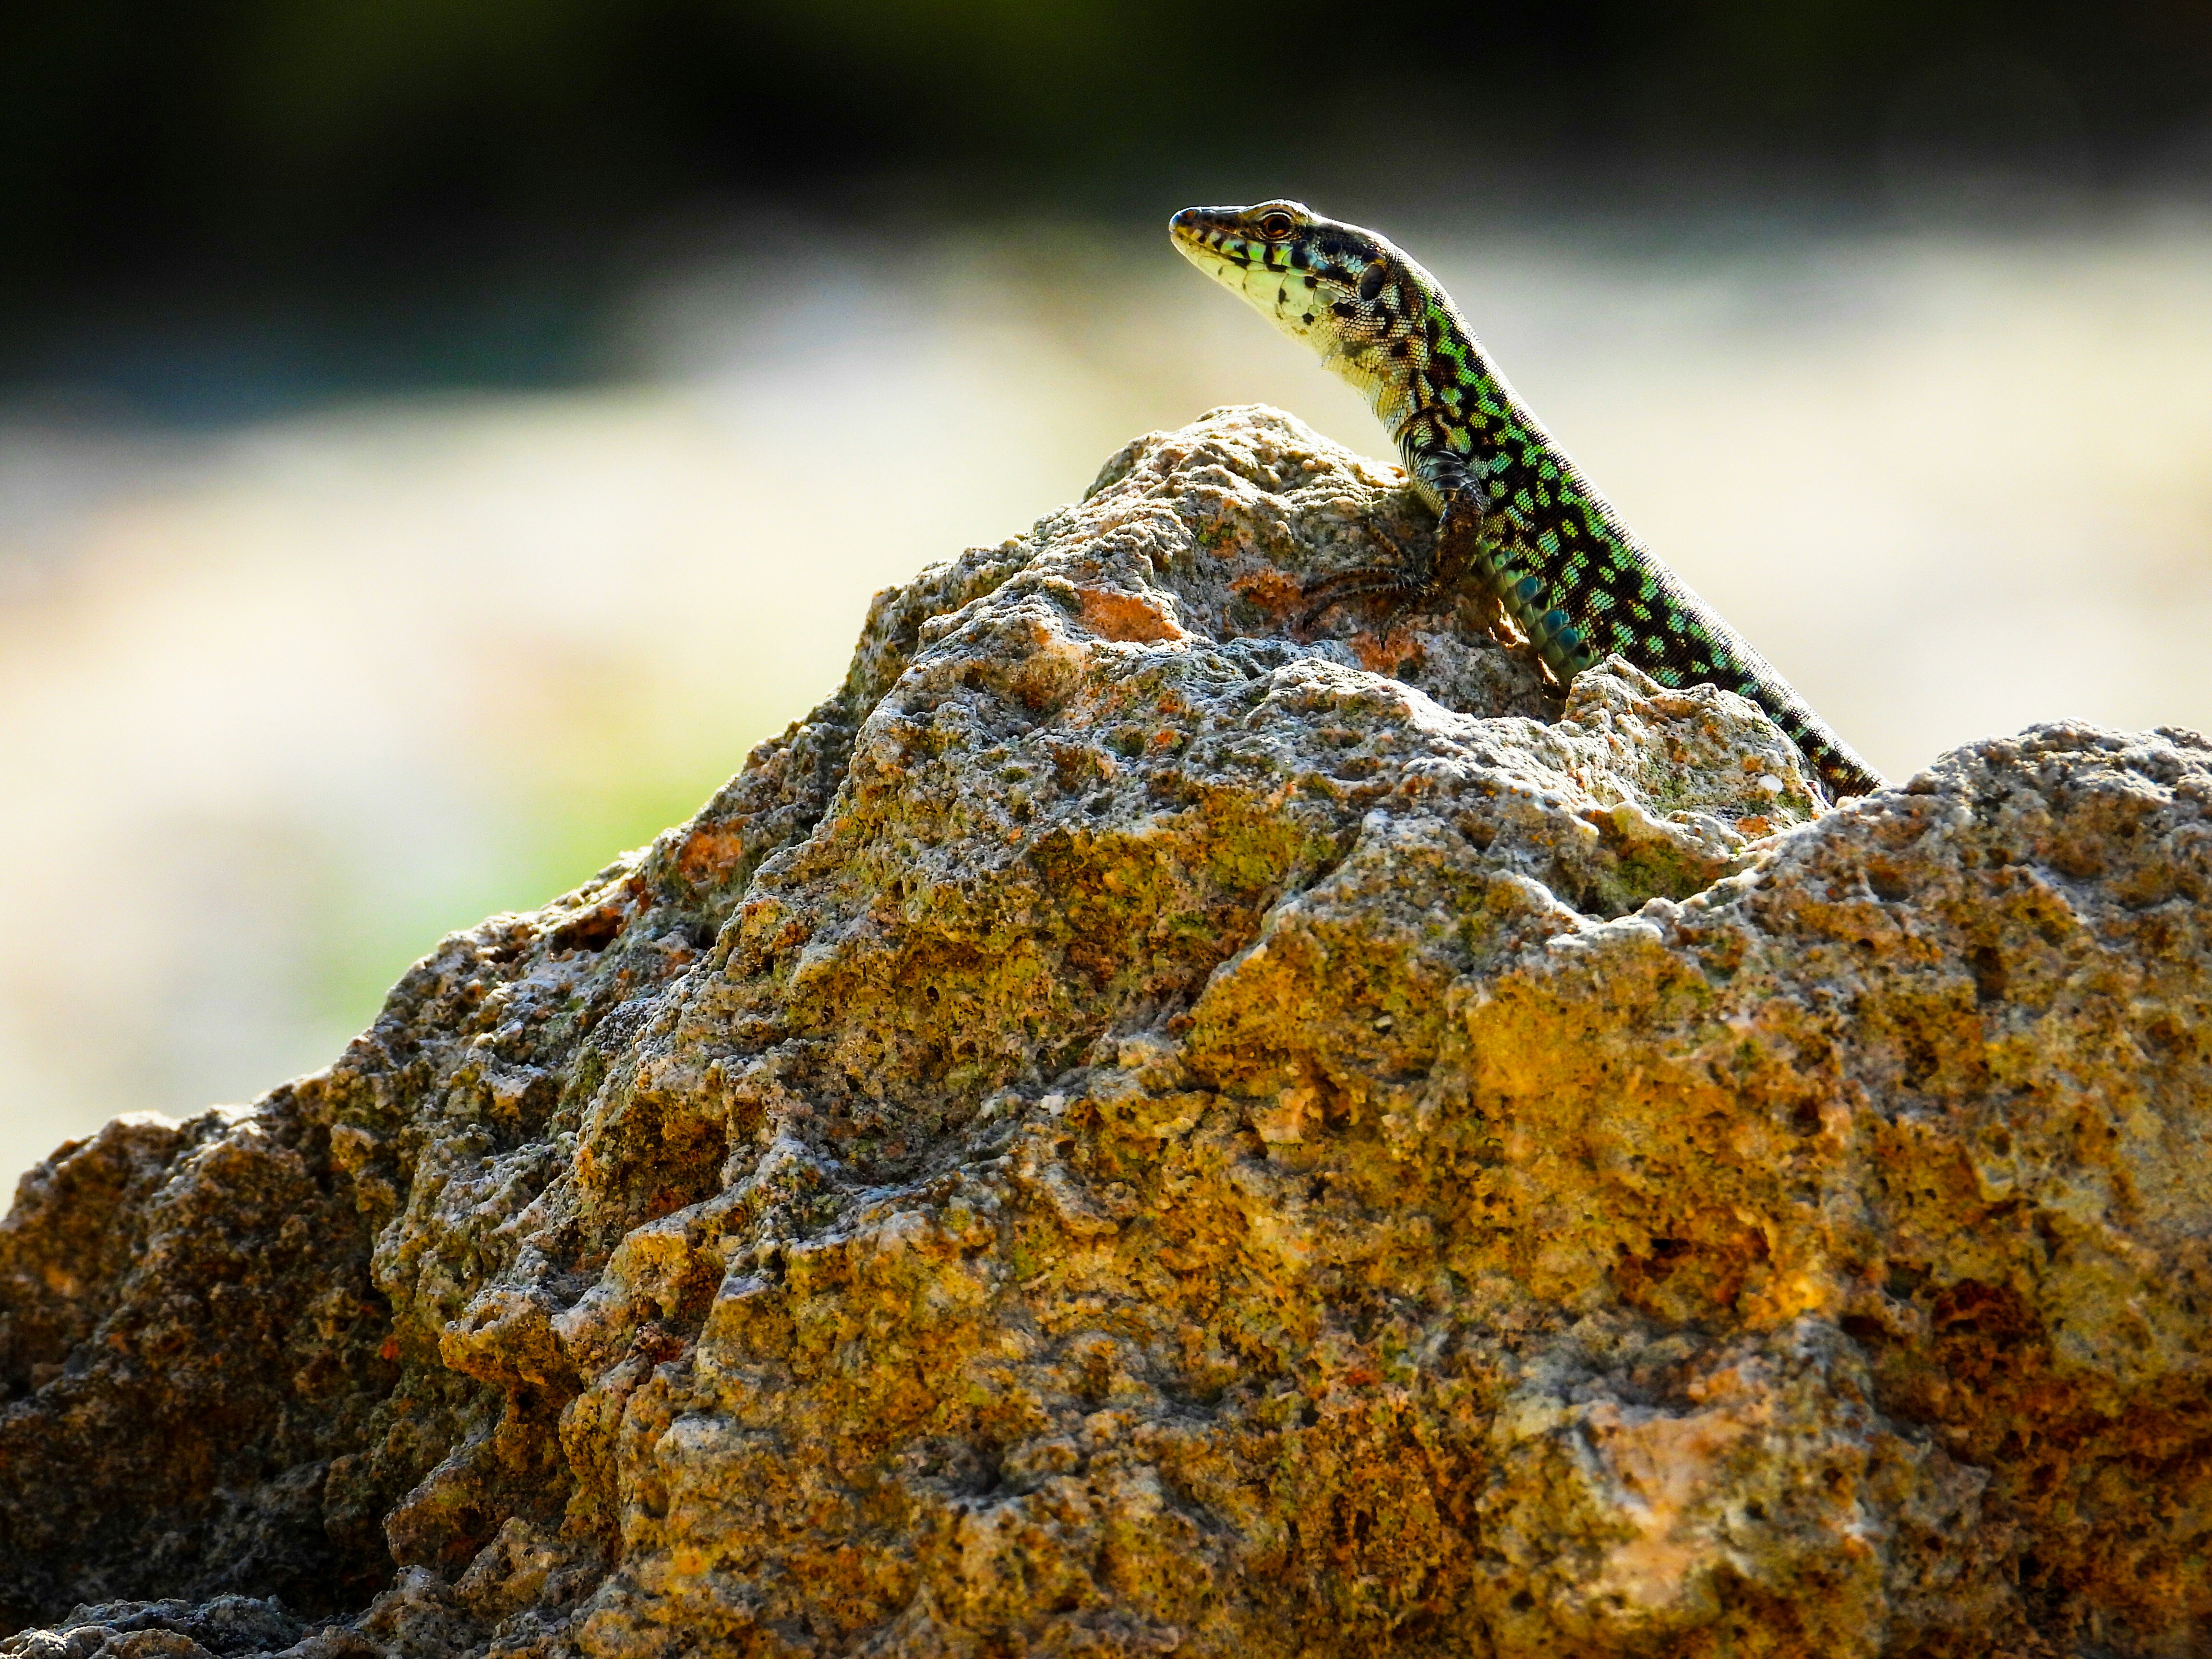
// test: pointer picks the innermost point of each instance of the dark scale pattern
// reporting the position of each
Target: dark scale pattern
(1571, 575)
(1515, 509)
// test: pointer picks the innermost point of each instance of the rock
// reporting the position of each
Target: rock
(1124, 1132)
(142, 1630)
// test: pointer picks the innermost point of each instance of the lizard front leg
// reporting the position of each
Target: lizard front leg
(1407, 579)
(1464, 539)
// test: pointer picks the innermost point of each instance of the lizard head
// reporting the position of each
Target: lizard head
(1313, 277)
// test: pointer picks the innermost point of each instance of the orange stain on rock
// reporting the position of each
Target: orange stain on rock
(1126, 617)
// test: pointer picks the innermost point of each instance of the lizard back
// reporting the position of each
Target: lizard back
(1569, 571)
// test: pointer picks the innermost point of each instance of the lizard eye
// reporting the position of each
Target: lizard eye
(1277, 225)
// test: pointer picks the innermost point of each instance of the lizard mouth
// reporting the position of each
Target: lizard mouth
(1219, 242)
(1201, 237)
(1190, 225)
(1211, 230)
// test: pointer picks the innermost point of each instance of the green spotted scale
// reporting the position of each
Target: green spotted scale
(1512, 507)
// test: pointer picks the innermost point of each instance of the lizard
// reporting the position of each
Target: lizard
(1512, 507)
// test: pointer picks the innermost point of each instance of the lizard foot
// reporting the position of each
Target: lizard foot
(1317, 597)
(1406, 581)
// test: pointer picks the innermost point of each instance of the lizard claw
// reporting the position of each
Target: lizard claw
(1410, 583)
(1408, 606)
(1315, 596)
(1407, 593)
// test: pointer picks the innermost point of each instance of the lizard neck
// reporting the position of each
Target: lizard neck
(1432, 385)
(1459, 424)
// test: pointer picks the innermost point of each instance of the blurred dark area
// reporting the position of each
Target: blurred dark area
(249, 149)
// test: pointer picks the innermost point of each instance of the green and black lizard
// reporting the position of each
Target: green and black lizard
(1511, 506)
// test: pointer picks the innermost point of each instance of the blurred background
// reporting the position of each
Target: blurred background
(438, 438)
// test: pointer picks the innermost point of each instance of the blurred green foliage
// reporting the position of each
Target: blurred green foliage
(259, 127)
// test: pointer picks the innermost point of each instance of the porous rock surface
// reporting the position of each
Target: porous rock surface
(1127, 1133)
